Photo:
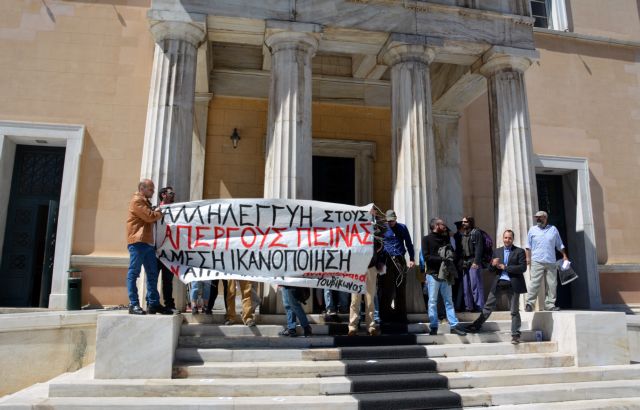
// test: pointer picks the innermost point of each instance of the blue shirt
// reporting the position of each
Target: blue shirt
(543, 243)
(504, 275)
(394, 244)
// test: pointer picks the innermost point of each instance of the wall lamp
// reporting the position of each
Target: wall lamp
(235, 138)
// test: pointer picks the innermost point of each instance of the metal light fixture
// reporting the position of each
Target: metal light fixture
(235, 138)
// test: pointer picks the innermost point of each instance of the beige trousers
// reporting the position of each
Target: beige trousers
(248, 308)
(356, 298)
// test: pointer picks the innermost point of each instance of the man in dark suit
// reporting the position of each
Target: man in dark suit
(509, 263)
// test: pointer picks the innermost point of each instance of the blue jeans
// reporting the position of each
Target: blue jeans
(205, 285)
(293, 308)
(433, 287)
(143, 254)
(344, 300)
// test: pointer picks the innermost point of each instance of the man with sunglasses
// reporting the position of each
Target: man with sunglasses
(167, 196)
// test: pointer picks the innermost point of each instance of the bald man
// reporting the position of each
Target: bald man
(140, 243)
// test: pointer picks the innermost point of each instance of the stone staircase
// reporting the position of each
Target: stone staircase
(237, 367)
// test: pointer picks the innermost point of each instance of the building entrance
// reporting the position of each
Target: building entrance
(26, 266)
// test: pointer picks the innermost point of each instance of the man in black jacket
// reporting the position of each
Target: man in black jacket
(472, 244)
(509, 263)
(431, 244)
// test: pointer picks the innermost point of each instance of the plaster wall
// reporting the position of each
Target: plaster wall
(618, 19)
(83, 63)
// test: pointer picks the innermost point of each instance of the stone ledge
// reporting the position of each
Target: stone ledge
(14, 322)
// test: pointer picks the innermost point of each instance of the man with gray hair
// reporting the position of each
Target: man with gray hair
(542, 242)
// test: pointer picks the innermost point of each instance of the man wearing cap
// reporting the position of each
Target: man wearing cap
(396, 241)
(542, 242)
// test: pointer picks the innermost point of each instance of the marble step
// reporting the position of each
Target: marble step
(195, 329)
(629, 403)
(258, 341)
(337, 385)
(330, 368)
(190, 354)
(218, 317)
(292, 402)
(549, 393)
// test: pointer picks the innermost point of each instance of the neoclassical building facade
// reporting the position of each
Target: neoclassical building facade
(433, 108)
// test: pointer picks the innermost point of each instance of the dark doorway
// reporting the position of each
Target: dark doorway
(334, 179)
(27, 257)
(551, 199)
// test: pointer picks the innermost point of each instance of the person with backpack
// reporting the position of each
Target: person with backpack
(473, 251)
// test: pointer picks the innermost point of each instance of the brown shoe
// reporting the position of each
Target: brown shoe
(352, 333)
(515, 340)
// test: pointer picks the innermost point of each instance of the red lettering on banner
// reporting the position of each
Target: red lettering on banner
(200, 236)
(367, 234)
(264, 235)
(316, 240)
(229, 230)
(253, 235)
(175, 270)
(346, 236)
(308, 231)
(274, 242)
(188, 229)
(168, 234)
(218, 232)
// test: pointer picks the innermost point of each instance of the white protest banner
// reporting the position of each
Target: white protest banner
(292, 242)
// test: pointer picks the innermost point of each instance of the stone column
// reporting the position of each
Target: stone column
(289, 149)
(414, 179)
(166, 157)
(445, 127)
(514, 176)
(289, 154)
(199, 144)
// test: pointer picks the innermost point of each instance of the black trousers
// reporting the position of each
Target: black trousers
(167, 286)
(503, 287)
(214, 293)
(392, 288)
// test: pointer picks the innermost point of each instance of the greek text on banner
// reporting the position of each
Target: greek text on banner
(291, 242)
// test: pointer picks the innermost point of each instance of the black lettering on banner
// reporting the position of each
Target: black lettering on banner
(215, 261)
(318, 261)
(274, 209)
(258, 208)
(302, 265)
(308, 217)
(265, 260)
(344, 260)
(292, 214)
(243, 215)
(273, 259)
(203, 258)
(327, 216)
(242, 264)
(215, 213)
(226, 215)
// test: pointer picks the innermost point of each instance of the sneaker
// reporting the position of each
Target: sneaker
(250, 323)
(208, 311)
(307, 331)
(288, 333)
(374, 332)
(456, 331)
(352, 333)
(528, 308)
(194, 311)
(136, 310)
(433, 331)
(553, 309)
(152, 310)
(472, 328)
(228, 322)
(515, 340)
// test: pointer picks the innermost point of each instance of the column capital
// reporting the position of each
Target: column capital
(499, 59)
(203, 97)
(282, 35)
(401, 48)
(192, 30)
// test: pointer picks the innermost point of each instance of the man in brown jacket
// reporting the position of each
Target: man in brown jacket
(140, 243)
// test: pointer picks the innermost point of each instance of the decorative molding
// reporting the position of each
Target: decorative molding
(586, 37)
(619, 268)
